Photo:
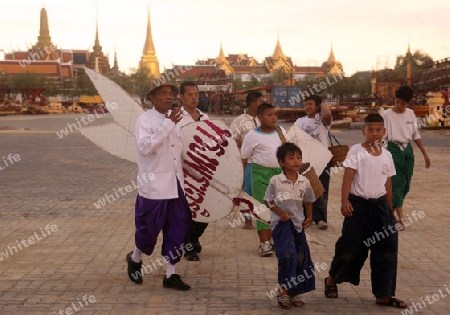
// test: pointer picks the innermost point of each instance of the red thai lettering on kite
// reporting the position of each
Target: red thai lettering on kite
(237, 202)
(198, 162)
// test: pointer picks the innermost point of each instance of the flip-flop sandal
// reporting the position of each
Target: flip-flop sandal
(331, 291)
(297, 303)
(284, 299)
(393, 302)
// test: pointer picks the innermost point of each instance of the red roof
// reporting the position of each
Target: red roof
(308, 70)
(66, 56)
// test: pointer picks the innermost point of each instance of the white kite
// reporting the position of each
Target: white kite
(313, 152)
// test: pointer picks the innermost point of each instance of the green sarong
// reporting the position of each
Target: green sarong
(404, 166)
(260, 180)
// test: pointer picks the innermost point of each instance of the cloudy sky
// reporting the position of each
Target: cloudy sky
(365, 34)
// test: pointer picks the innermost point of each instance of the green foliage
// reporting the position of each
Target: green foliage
(420, 61)
(141, 81)
(337, 86)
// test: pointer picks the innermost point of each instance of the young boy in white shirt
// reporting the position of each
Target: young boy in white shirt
(285, 196)
(261, 145)
(401, 127)
(366, 204)
(316, 123)
(240, 127)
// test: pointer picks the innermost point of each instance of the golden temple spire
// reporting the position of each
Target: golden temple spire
(331, 57)
(116, 64)
(149, 48)
(278, 53)
(44, 32)
(149, 60)
(97, 42)
(44, 49)
(221, 54)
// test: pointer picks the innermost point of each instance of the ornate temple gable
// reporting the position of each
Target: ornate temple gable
(278, 60)
(149, 60)
(44, 48)
(226, 67)
(331, 66)
(252, 62)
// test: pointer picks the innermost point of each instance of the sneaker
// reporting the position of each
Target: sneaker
(272, 247)
(322, 225)
(175, 282)
(265, 249)
(134, 269)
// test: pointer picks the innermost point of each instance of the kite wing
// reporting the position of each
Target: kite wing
(313, 151)
(117, 137)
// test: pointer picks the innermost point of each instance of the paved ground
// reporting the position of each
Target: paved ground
(56, 182)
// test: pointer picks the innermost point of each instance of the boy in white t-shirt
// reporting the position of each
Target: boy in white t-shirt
(240, 126)
(401, 127)
(366, 203)
(316, 123)
(260, 145)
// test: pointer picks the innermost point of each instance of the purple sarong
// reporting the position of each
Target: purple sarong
(172, 216)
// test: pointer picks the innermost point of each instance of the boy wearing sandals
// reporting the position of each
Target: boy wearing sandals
(285, 196)
(366, 204)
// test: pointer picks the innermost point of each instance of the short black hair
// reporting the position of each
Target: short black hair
(373, 118)
(316, 98)
(187, 83)
(405, 93)
(261, 108)
(286, 148)
(252, 96)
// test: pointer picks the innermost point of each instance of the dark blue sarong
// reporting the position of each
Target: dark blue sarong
(295, 267)
(371, 226)
(172, 216)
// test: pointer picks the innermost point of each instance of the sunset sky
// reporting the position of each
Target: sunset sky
(185, 31)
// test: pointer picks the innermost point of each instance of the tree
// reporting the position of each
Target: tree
(420, 61)
(142, 81)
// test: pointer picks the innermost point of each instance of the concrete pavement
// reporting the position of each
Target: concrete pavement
(61, 247)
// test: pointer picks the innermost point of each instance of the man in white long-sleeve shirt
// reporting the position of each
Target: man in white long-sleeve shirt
(160, 204)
